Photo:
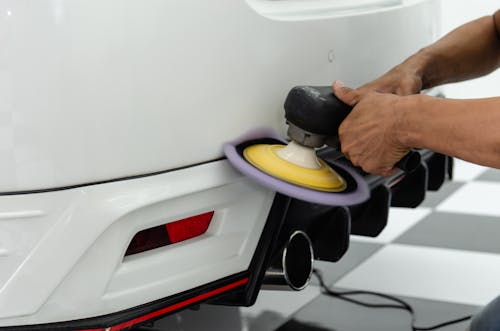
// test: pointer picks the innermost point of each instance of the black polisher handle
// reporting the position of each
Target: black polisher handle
(317, 110)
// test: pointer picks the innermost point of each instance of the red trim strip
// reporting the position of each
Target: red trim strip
(173, 307)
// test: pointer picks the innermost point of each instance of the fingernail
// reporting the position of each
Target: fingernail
(339, 84)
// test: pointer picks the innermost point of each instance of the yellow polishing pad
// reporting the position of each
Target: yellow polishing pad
(264, 158)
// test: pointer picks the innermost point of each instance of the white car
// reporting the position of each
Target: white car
(117, 206)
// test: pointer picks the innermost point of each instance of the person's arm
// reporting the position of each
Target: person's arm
(469, 51)
(383, 127)
(467, 129)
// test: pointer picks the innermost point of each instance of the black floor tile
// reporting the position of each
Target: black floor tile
(357, 253)
(208, 317)
(434, 198)
(490, 175)
(331, 314)
(457, 231)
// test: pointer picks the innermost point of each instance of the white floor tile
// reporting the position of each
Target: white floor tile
(400, 220)
(432, 273)
(465, 171)
(480, 198)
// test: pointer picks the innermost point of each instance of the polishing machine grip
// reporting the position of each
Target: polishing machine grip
(316, 111)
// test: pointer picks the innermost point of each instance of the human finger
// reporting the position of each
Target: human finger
(345, 94)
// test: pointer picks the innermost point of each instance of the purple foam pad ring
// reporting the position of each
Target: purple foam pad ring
(349, 198)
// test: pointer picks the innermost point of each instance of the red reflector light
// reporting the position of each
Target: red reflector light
(169, 233)
(189, 227)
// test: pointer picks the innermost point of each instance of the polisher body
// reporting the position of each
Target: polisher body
(313, 115)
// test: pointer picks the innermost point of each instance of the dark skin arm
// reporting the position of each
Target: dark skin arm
(387, 120)
(469, 51)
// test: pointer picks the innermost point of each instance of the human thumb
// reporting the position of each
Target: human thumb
(345, 94)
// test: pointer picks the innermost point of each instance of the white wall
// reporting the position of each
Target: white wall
(455, 13)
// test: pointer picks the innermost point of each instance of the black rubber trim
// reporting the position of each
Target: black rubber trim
(69, 187)
(268, 244)
(113, 319)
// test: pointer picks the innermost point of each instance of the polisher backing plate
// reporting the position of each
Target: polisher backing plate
(264, 158)
(357, 190)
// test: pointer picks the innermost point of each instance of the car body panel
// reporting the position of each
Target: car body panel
(92, 90)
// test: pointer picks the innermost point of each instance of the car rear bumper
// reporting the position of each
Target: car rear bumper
(62, 252)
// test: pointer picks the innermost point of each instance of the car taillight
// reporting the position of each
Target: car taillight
(169, 233)
(189, 227)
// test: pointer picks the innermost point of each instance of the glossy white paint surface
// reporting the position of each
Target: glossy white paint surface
(92, 90)
(61, 253)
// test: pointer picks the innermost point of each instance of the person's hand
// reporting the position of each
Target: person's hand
(400, 80)
(369, 135)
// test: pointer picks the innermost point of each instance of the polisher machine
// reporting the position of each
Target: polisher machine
(313, 115)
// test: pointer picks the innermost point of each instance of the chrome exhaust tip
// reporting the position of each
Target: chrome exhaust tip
(293, 266)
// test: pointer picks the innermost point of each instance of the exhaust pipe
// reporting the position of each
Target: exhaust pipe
(293, 266)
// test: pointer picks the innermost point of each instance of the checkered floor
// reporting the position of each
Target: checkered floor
(443, 257)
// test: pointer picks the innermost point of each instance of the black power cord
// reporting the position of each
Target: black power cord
(401, 304)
